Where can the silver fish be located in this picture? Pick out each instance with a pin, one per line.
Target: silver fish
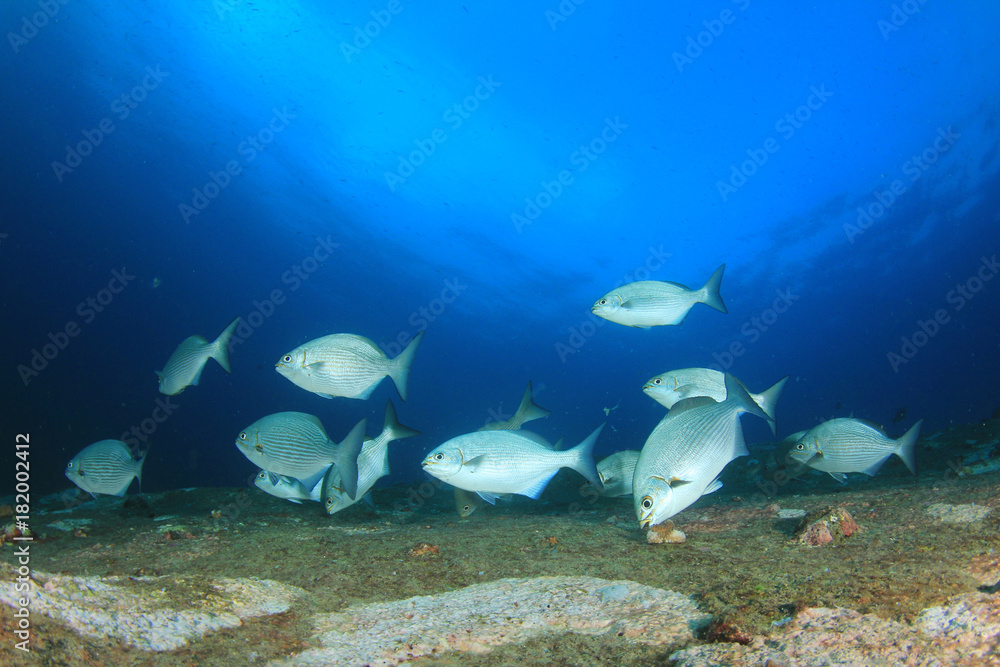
(526, 412)
(373, 464)
(105, 467)
(466, 503)
(672, 386)
(686, 452)
(296, 445)
(616, 473)
(650, 303)
(846, 445)
(495, 462)
(287, 488)
(346, 365)
(184, 366)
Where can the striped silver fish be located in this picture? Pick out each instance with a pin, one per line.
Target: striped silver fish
(296, 445)
(526, 412)
(650, 303)
(105, 467)
(373, 464)
(672, 386)
(846, 445)
(616, 472)
(286, 488)
(346, 365)
(686, 452)
(495, 462)
(184, 366)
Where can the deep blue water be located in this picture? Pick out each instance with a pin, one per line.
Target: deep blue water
(529, 159)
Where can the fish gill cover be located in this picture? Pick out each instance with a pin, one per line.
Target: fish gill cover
(485, 173)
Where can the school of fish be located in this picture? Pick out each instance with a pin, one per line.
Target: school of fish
(680, 461)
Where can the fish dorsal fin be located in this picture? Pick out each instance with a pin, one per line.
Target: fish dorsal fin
(683, 287)
(871, 424)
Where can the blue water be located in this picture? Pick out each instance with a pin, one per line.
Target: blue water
(523, 159)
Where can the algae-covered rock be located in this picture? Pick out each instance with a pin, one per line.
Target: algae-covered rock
(150, 613)
(480, 617)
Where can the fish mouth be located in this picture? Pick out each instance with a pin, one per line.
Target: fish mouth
(645, 523)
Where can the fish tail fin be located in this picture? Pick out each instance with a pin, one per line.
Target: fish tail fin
(581, 458)
(140, 458)
(220, 346)
(735, 391)
(907, 445)
(347, 457)
(711, 296)
(393, 428)
(400, 369)
(529, 410)
(769, 401)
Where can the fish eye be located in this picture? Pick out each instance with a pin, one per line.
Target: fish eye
(69, 466)
(800, 447)
(438, 457)
(603, 302)
(287, 359)
(243, 435)
(657, 381)
(466, 508)
(647, 503)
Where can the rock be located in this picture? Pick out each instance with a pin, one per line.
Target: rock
(150, 613)
(963, 632)
(479, 617)
(424, 549)
(665, 533)
(825, 526)
(791, 514)
(816, 534)
(958, 513)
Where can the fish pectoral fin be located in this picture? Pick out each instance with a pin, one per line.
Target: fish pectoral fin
(491, 498)
(711, 488)
(294, 500)
(473, 463)
(674, 482)
(272, 479)
(839, 476)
